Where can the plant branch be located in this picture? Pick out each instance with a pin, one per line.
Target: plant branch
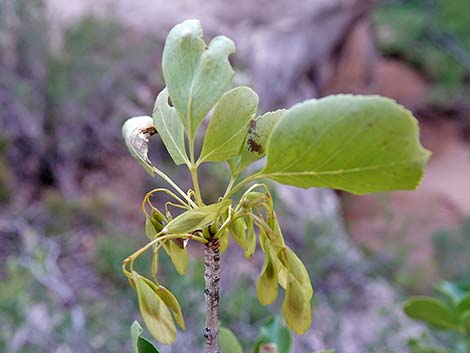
(172, 183)
(211, 294)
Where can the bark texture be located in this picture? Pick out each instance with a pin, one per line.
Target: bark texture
(211, 294)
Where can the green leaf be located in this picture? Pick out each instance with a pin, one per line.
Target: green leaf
(136, 331)
(431, 311)
(228, 341)
(359, 144)
(466, 323)
(238, 230)
(170, 300)
(275, 333)
(141, 344)
(228, 126)
(136, 133)
(250, 247)
(464, 304)
(257, 138)
(224, 241)
(196, 76)
(196, 218)
(267, 287)
(296, 307)
(155, 313)
(170, 128)
(296, 267)
(145, 346)
(326, 351)
(178, 256)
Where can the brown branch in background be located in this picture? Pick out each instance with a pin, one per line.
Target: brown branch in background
(211, 294)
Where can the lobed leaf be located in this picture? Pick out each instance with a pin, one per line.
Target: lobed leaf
(229, 125)
(360, 144)
(170, 128)
(196, 76)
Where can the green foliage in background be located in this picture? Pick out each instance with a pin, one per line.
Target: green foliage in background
(359, 144)
(433, 35)
(449, 311)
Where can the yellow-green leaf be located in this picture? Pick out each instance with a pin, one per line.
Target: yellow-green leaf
(155, 313)
(196, 218)
(296, 307)
(360, 144)
(250, 246)
(170, 300)
(295, 266)
(178, 256)
(267, 287)
(238, 230)
(228, 126)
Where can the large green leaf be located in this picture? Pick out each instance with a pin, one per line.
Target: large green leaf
(170, 128)
(276, 333)
(136, 132)
(196, 76)
(229, 125)
(196, 218)
(431, 311)
(258, 134)
(359, 144)
(228, 341)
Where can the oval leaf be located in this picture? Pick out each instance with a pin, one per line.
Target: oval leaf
(196, 77)
(228, 341)
(431, 311)
(296, 307)
(196, 218)
(179, 256)
(170, 128)
(359, 144)
(250, 247)
(136, 133)
(296, 267)
(170, 300)
(229, 125)
(155, 313)
(267, 287)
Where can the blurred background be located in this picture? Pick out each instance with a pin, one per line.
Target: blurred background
(72, 71)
